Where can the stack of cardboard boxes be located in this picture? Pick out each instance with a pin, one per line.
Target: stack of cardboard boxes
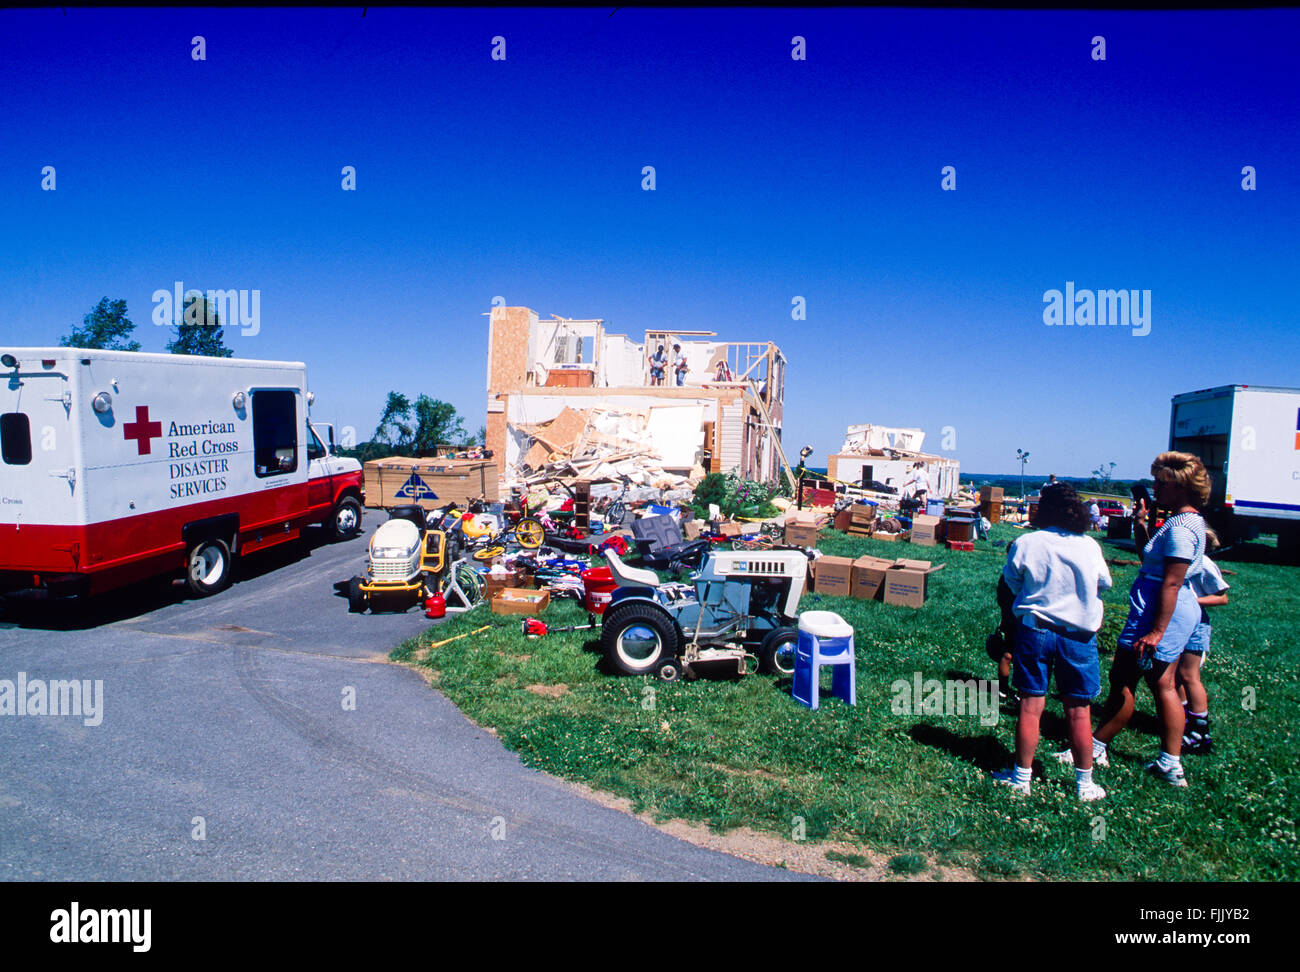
(991, 503)
(802, 527)
(900, 581)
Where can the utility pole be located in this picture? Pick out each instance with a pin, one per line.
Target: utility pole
(1023, 456)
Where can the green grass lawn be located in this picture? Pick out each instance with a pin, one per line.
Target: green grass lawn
(741, 753)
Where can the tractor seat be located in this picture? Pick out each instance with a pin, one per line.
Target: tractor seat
(626, 576)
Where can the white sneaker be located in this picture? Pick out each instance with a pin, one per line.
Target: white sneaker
(1091, 791)
(1006, 778)
(1173, 776)
(1066, 756)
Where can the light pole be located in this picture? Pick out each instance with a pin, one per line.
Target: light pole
(1023, 456)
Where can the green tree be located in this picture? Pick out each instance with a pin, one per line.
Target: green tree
(200, 330)
(436, 423)
(392, 431)
(106, 328)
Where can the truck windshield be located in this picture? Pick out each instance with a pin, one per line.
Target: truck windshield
(315, 448)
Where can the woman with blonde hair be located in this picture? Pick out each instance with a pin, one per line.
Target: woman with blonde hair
(1163, 614)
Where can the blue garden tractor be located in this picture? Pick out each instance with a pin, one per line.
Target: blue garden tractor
(740, 609)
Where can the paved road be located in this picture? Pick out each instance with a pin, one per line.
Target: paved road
(230, 709)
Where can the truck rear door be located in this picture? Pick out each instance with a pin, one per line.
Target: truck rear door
(40, 518)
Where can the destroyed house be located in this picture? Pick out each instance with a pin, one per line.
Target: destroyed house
(569, 398)
(885, 456)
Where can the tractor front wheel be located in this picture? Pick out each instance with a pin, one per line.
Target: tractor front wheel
(638, 637)
(776, 654)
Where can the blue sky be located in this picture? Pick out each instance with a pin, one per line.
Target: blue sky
(775, 178)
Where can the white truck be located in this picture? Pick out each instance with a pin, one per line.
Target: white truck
(118, 465)
(1248, 436)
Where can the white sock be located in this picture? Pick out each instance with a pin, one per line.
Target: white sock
(1082, 777)
(1098, 747)
(1022, 774)
(1167, 762)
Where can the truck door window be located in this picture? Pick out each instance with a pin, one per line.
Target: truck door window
(275, 432)
(15, 439)
(315, 448)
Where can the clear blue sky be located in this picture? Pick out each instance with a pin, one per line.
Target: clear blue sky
(776, 178)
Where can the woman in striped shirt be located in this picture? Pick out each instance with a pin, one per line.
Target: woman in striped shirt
(1163, 613)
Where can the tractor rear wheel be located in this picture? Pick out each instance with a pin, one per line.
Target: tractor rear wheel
(638, 637)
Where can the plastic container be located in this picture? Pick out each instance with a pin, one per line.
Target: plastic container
(934, 507)
(598, 587)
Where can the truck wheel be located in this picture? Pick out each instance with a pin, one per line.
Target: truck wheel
(208, 568)
(776, 654)
(345, 521)
(638, 638)
(356, 596)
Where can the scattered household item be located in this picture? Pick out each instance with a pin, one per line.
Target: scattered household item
(513, 600)
(825, 639)
(534, 628)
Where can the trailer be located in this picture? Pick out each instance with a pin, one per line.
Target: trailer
(116, 466)
(1248, 436)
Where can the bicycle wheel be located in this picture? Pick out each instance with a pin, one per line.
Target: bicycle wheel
(487, 553)
(615, 513)
(530, 533)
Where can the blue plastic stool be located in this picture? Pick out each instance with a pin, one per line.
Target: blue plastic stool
(825, 638)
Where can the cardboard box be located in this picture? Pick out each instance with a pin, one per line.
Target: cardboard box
(834, 576)
(868, 582)
(843, 520)
(991, 511)
(429, 483)
(907, 582)
(802, 527)
(513, 600)
(730, 529)
(494, 584)
(927, 531)
(861, 513)
(990, 494)
(691, 529)
(891, 537)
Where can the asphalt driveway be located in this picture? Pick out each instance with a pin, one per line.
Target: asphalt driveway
(224, 718)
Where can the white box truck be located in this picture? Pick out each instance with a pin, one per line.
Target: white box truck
(118, 465)
(1248, 436)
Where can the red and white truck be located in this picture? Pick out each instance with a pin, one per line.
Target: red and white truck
(117, 465)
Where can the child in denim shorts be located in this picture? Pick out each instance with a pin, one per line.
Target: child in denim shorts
(1057, 575)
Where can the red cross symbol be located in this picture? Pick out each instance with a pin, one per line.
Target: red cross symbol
(142, 430)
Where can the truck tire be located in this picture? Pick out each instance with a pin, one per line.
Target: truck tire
(776, 654)
(207, 568)
(638, 637)
(345, 522)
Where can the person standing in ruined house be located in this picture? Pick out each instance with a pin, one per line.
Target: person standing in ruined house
(658, 364)
(679, 365)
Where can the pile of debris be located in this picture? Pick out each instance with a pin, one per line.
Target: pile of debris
(596, 444)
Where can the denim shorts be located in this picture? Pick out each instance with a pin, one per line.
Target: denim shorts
(1144, 604)
(1038, 652)
(1199, 642)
